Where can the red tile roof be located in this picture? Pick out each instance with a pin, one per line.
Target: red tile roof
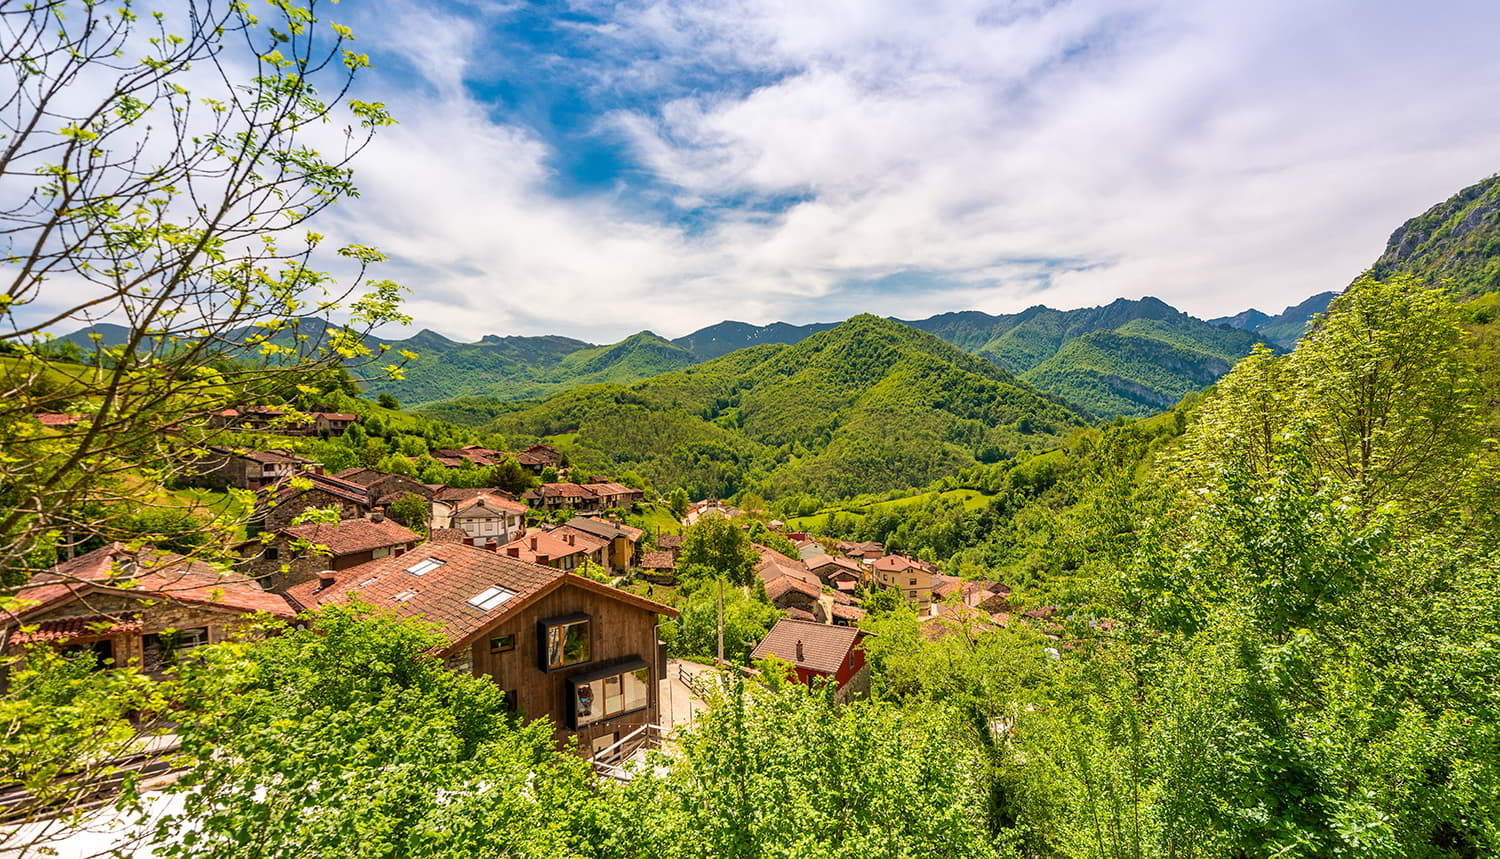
(448, 535)
(533, 546)
(494, 502)
(441, 595)
(352, 536)
(605, 528)
(48, 419)
(658, 561)
(780, 586)
(115, 569)
(67, 628)
(824, 647)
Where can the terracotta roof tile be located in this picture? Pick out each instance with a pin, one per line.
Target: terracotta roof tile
(352, 536)
(658, 561)
(824, 646)
(441, 595)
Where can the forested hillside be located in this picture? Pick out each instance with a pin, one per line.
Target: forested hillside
(871, 404)
(1128, 358)
(1456, 241)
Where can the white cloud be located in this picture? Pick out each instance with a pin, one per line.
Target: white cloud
(1214, 155)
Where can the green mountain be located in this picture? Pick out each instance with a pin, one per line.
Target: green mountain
(1128, 357)
(868, 405)
(1283, 329)
(1457, 241)
(728, 336)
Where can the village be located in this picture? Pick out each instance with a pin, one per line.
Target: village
(548, 593)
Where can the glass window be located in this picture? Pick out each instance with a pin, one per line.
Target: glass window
(568, 643)
(637, 689)
(614, 694)
(598, 698)
(502, 643)
(164, 649)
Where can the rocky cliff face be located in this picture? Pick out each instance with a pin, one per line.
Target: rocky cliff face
(1457, 242)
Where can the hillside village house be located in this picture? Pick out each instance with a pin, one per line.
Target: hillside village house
(383, 488)
(819, 652)
(298, 553)
(842, 574)
(539, 458)
(222, 467)
(796, 590)
(560, 645)
(469, 456)
(561, 548)
(489, 518)
(144, 608)
(624, 541)
(582, 498)
(276, 506)
(912, 578)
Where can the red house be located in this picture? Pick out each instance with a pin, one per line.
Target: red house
(820, 650)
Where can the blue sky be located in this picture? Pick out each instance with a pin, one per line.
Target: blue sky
(593, 169)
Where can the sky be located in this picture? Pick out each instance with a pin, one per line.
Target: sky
(595, 169)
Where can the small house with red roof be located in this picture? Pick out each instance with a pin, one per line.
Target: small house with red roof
(819, 652)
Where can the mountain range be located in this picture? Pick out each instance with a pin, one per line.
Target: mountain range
(867, 405)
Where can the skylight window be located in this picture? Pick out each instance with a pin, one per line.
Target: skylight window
(404, 595)
(491, 597)
(425, 566)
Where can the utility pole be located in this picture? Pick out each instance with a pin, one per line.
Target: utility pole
(721, 620)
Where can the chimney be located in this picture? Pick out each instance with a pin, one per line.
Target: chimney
(513, 551)
(543, 559)
(326, 579)
(492, 546)
(533, 543)
(800, 657)
(569, 538)
(377, 516)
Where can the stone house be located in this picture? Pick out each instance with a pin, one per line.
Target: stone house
(142, 608)
(624, 541)
(222, 467)
(298, 553)
(277, 505)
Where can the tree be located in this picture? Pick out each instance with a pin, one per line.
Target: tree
(718, 545)
(747, 618)
(509, 476)
(1383, 392)
(411, 510)
(678, 502)
(68, 725)
(145, 181)
(347, 740)
(789, 773)
(386, 401)
(549, 475)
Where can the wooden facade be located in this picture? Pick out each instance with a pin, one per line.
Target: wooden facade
(512, 654)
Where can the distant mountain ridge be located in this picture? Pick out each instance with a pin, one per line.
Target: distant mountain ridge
(1136, 372)
(1285, 328)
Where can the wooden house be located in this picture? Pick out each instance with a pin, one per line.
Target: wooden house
(562, 646)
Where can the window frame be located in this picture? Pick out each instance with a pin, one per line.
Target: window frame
(598, 677)
(544, 628)
(507, 648)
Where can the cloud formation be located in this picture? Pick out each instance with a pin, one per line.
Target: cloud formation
(667, 164)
